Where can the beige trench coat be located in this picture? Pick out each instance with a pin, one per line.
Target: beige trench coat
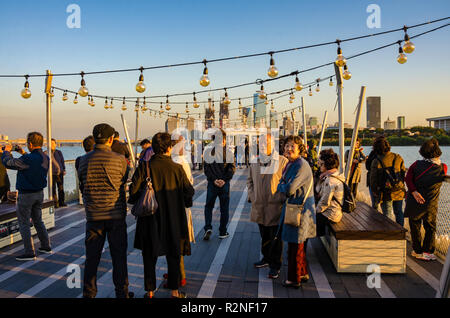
(262, 192)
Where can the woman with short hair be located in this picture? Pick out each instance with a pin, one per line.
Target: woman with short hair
(424, 180)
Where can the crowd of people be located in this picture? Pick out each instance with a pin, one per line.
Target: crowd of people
(302, 181)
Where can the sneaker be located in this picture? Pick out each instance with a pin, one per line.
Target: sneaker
(262, 263)
(225, 235)
(45, 250)
(420, 256)
(430, 256)
(304, 278)
(26, 257)
(207, 235)
(274, 273)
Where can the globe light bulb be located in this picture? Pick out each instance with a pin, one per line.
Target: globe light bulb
(240, 104)
(83, 91)
(161, 110)
(187, 110)
(106, 103)
(204, 80)
(262, 93)
(195, 104)
(346, 75)
(310, 92)
(266, 102)
(52, 93)
(75, 100)
(290, 101)
(272, 107)
(111, 106)
(136, 106)
(401, 56)
(226, 100)
(144, 106)
(331, 82)
(124, 105)
(272, 72)
(298, 86)
(408, 47)
(167, 104)
(140, 86)
(92, 102)
(317, 88)
(26, 93)
(89, 100)
(340, 59)
(292, 97)
(64, 98)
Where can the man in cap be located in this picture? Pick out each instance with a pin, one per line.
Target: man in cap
(103, 174)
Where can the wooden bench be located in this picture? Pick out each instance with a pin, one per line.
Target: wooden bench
(9, 225)
(366, 237)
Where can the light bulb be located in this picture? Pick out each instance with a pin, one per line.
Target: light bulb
(140, 86)
(240, 104)
(92, 102)
(195, 105)
(187, 110)
(272, 72)
(340, 59)
(204, 80)
(83, 91)
(331, 82)
(298, 86)
(266, 102)
(346, 75)
(144, 106)
(26, 93)
(262, 93)
(111, 104)
(226, 100)
(75, 100)
(292, 97)
(124, 105)
(317, 88)
(401, 56)
(52, 93)
(167, 104)
(136, 106)
(106, 103)
(290, 101)
(310, 91)
(408, 47)
(64, 98)
(272, 107)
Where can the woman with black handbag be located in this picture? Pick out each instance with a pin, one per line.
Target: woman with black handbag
(298, 220)
(161, 233)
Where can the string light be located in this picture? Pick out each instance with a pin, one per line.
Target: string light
(292, 96)
(310, 92)
(75, 100)
(408, 47)
(262, 93)
(298, 86)
(52, 93)
(331, 81)
(64, 98)
(144, 106)
(83, 91)
(89, 100)
(272, 72)
(106, 103)
(272, 107)
(111, 106)
(124, 105)
(266, 102)
(167, 103)
(346, 75)
(26, 93)
(318, 87)
(401, 56)
(140, 86)
(136, 106)
(240, 104)
(187, 110)
(340, 59)
(226, 100)
(195, 105)
(204, 80)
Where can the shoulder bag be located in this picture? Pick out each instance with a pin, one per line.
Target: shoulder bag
(146, 204)
(294, 211)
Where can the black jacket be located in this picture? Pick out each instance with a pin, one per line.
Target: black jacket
(103, 174)
(121, 148)
(223, 171)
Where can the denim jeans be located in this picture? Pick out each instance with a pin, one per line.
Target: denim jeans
(390, 208)
(29, 205)
(224, 196)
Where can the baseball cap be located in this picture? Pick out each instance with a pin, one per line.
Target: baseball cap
(102, 131)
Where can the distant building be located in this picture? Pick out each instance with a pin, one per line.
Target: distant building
(313, 121)
(172, 123)
(401, 122)
(209, 114)
(223, 115)
(288, 126)
(389, 124)
(373, 112)
(260, 107)
(440, 122)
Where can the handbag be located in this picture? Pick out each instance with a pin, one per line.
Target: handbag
(293, 212)
(146, 205)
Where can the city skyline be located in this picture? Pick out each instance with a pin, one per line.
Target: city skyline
(101, 43)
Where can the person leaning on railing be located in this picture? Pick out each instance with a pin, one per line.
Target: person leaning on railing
(424, 180)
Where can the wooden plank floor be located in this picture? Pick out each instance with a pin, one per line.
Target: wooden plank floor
(217, 268)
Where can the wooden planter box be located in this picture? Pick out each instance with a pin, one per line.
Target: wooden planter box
(366, 237)
(9, 225)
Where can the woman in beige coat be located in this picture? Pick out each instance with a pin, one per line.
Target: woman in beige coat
(262, 185)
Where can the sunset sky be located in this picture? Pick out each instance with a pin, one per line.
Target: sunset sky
(118, 34)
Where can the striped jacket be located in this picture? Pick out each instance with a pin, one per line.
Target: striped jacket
(103, 174)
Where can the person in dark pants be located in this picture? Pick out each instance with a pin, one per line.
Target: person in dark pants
(267, 204)
(103, 174)
(424, 180)
(5, 185)
(219, 174)
(58, 176)
(355, 172)
(31, 180)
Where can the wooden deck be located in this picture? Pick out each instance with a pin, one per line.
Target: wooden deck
(217, 268)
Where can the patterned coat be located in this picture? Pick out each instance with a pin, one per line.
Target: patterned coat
(294, 183)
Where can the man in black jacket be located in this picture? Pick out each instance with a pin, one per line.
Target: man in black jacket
(120, 147)
(219, 174)
(58, 176)
(103, 174)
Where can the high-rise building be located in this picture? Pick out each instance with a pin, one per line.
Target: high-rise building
(223, 114)
(260, 107)
(288, 126)
(209, 114)
(373, 112)
(389, 124)
(401, 122)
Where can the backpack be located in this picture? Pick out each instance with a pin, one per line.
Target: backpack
(146, 204)
(349, 204)
(392, 180)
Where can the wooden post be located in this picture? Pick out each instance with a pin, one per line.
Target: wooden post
(48, 86)
(133, 158)
(355, 134)
(305, 137)
(323, 132)
(338, 71)
(136, 132)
